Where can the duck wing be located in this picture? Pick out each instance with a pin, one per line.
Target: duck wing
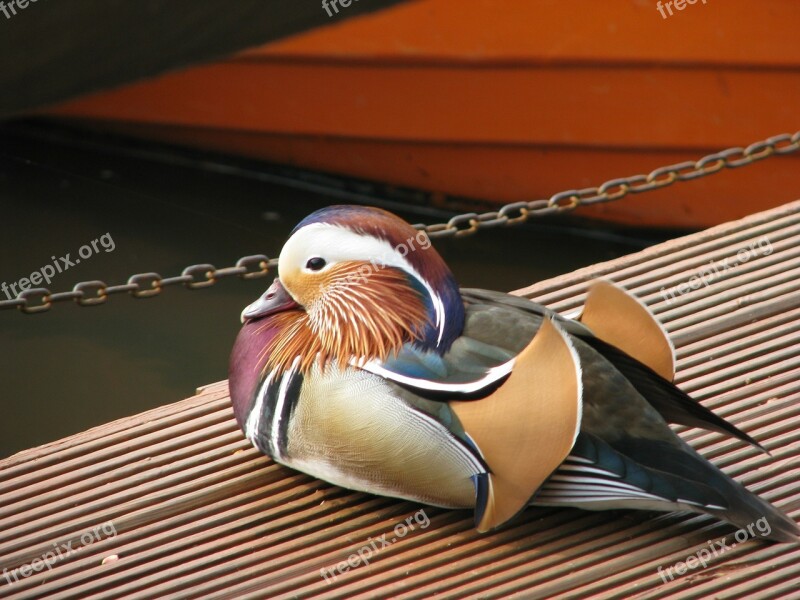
(498, 318)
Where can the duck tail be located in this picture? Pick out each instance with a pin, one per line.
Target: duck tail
(754, 516)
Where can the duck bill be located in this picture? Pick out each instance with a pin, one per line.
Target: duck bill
(276, 299)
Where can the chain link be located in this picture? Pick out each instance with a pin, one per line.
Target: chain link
(146, 285)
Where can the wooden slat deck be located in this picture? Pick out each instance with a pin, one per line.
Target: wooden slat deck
(190, 510)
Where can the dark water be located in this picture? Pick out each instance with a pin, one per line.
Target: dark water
(73, 368)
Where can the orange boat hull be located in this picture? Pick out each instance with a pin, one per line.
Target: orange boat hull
(503, 105)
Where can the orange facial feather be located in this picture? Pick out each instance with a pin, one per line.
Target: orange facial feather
(359, 311)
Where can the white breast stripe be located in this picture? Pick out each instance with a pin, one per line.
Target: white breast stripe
(254, 419)
(492, 376)
(278, 410)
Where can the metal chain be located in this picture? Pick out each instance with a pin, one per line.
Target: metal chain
(141, 285)
(145, 285)
(615, 189)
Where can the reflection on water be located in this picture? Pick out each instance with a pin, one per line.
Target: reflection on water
(74, 368)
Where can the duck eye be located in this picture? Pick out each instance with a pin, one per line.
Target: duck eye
(315, 263)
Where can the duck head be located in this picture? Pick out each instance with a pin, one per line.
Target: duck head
(356, 283)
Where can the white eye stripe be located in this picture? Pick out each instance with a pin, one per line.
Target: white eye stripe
(337, 244)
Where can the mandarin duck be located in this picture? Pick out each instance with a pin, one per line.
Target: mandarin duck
(365, 365)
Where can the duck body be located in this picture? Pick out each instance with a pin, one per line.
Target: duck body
(358, 430)
(407, 422)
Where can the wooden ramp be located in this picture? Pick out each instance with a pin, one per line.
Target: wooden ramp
(174, 503)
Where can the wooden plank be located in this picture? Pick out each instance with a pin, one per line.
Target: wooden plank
(197, 513)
